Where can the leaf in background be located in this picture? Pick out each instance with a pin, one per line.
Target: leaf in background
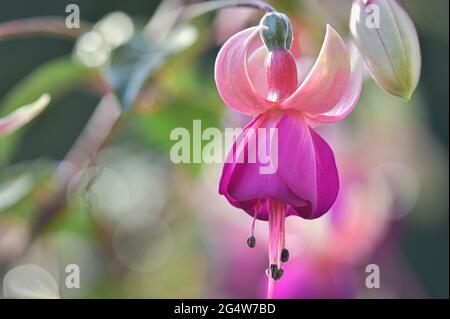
(19, 180)
(155, 128)
(55, 77)
(181, 98)
(23, 115)
(13, 191)
(134, 63)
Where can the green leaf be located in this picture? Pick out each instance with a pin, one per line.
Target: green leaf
(156, 127)
(134, 63)
(56, 77)
(19, 180)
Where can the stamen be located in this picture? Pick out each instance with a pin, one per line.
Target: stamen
(251, 241)
(277, 213)
(273, 270)
(280, 224)
(277, 253)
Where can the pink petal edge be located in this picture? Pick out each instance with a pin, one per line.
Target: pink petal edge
(306, 179)
(351, 96)
(232, 78)
(327, 81)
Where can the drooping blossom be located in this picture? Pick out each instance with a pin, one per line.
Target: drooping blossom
(361, 228)
(261, 79)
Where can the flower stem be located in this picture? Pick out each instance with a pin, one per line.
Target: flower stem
(50, 26)
(270, 288)
(195, 10)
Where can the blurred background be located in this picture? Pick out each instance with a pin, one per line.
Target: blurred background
(136, 225)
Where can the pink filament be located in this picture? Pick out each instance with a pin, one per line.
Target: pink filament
(255, 215)
(277, 215)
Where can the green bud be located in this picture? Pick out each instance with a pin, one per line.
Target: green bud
(387, 40)
(278, 32)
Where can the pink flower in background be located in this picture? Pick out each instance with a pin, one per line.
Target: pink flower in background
(241, 17)
(308, 277)
(262, 81)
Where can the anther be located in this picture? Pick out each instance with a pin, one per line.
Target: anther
(284, 255)
(251, 241)
(273, 270)
(278, 274)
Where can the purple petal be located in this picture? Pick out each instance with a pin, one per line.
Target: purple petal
(306, 178)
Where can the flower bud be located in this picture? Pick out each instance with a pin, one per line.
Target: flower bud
(278, 32)
(387, 40)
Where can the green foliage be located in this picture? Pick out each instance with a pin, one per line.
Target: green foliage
(18, 182)
(134, 63)
(56, 77)
(188, 101)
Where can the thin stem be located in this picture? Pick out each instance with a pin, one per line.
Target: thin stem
(270, 288)
(94, 137)
(255, 215)
(198, 9)
(91, 140)
(272, 260)
(48, 26)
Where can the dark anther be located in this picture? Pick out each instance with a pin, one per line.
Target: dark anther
(273, 270)
(284, 255)
(251, 241)
(278, 274)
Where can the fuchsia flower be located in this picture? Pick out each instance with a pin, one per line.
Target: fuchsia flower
(261, 79)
